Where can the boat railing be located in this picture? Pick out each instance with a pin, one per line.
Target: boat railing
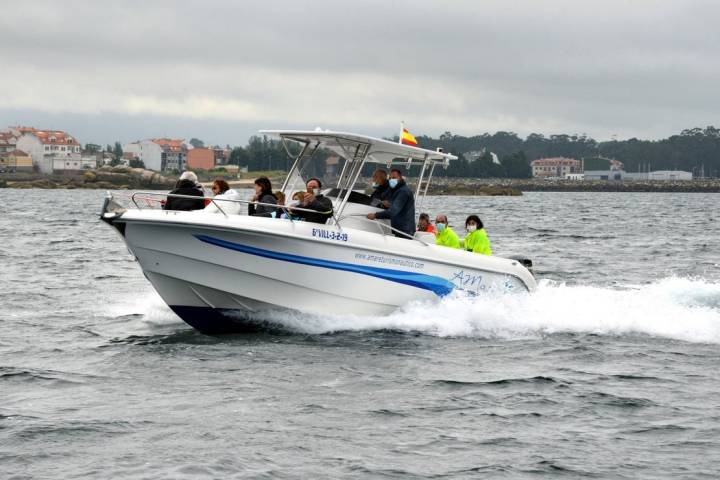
(149, 197)
(382, 226)
(154, 198)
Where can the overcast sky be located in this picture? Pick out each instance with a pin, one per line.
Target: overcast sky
(220, 70)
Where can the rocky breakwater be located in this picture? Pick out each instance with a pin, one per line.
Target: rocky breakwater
(562, 185)
(460, 186)
(514, 186)
(106, 178)
(464, 186)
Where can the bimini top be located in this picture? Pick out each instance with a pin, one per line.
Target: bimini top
(354, 147)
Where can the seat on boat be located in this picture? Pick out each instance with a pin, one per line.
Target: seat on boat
(426, 237)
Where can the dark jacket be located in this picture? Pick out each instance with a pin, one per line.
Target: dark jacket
(185, 187)
(402, 209)
(380, 194)
(324, 208)
(263, 210)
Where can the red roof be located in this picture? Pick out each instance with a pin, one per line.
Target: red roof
(53, 137)
(18, 153)
(24, 129)
(169, 144)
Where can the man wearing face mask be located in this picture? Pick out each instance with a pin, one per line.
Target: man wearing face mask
(476, 240)
(402, 206)
(314, 200)
(380, 197)
(445, 237)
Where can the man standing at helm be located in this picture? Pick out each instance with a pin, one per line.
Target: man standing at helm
(402, 206)
(380, 197)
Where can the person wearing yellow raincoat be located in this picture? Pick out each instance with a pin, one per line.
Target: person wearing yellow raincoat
(445, 235)
(476, 240)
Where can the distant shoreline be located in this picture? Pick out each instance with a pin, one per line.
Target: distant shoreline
(123, 178)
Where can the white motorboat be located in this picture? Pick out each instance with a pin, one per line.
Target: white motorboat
(223, 272)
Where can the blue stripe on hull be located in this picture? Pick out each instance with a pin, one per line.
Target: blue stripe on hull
(435, 284)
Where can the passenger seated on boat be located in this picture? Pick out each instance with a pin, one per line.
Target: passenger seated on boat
(476, 240)
(297, 198)
(263, 194)
(424, 224)
(222, 191)
(314, 200)
(186, 185)
(280, 198)
(282, 212)
(445, 237)
(380, 197)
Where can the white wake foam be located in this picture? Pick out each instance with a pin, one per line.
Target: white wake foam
(677, 308)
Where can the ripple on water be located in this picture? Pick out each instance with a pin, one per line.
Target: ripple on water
(609, 371)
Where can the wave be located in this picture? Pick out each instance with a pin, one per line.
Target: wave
(675, 308)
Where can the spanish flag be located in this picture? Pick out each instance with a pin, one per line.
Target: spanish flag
(406, 138)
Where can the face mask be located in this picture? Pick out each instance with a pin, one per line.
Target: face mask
(374, 184)
(471, 228)
(393, 182)
(313, 191)
(440, 226)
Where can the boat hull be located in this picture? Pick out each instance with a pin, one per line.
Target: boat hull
(234, 274)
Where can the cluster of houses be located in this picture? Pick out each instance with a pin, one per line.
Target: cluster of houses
(52, 151)
(598, 168)
(164, 154)
(45, 151)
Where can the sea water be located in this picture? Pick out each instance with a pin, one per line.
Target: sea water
(609, 370)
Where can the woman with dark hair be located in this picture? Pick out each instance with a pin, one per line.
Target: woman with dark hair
(220, 186)
(222, 191)
(263, 194)
(476, 240)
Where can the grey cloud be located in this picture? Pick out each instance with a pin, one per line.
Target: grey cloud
(641, 68)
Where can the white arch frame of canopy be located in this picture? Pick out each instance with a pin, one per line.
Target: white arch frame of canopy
(358, 150)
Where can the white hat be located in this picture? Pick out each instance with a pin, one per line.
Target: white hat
(188, 175)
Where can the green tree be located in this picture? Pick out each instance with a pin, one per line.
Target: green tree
(136, 163)
(516, 165)
(197, 143)
(239, 157)
(117, 154)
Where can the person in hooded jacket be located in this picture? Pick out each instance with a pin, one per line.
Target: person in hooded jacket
(402, 206)
(476, 240)
(186, 185)
(263, 194)
(222, 192)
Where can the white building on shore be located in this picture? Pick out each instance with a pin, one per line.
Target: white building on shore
(159, 154)
(555, 167)
(73, 164)
(45, 146)
(666, 175)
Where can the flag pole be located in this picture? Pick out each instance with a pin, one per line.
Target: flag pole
(402, 129)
